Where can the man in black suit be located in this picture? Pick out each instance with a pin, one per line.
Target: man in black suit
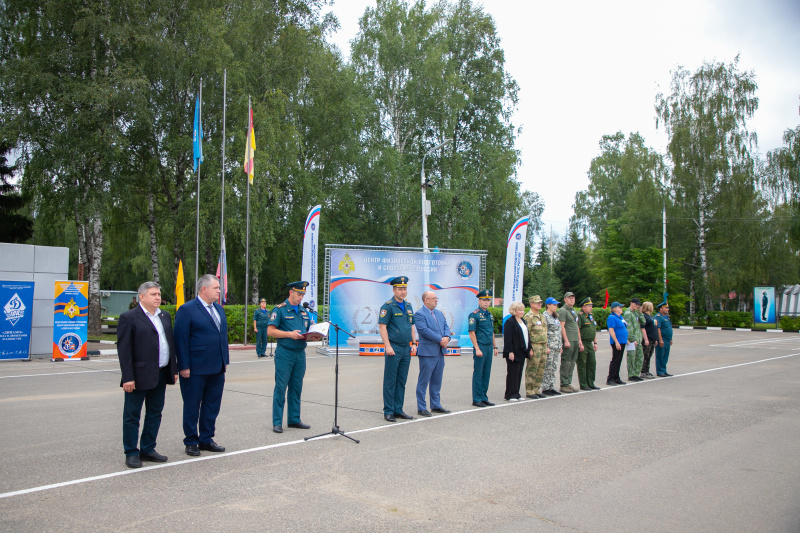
(201, 339)
(148, 361)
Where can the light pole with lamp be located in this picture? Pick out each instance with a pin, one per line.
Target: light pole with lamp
(426, 205)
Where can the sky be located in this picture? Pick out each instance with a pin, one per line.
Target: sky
(587, 69)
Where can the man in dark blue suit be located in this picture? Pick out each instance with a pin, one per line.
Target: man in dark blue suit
(146, 352)
(434, 334)
(201, 340)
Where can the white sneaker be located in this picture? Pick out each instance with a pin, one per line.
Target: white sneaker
(513, 400)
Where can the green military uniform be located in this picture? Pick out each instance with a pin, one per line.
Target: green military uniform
(587, 359)
(261, 318)
(398, 317)
(569, 356)
(482, 323)
(636, 322)
(290, 360)
(537, 332)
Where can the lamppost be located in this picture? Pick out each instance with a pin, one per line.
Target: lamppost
(426, 205)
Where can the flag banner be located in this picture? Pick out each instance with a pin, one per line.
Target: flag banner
(515, 264)
(16, 297)
(197, 135)
(605, 305)
(764, 305)
(359, 286)
(250, 150)
(70, 319)
(222, 274)
(179, 301)
(310, 255)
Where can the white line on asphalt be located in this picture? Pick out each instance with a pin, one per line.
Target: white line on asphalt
(57, 374)
(374, 428)
(745, 343)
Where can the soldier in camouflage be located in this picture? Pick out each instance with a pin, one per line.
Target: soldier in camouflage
(553, 346)
(537, 332)
(636, 333)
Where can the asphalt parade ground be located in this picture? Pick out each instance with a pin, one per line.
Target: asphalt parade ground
(714, 448)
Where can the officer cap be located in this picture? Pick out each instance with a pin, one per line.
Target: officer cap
(485, 294)
(399, 281)
(586, 301)
(535, 299)
(299, 286)
(636, 301)
(568, 294)
(662, 304)
(262, 300)
(551, 300)
(616, 304)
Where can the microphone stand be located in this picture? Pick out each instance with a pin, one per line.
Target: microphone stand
(335, 430)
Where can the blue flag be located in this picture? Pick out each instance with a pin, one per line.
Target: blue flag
(197, 137)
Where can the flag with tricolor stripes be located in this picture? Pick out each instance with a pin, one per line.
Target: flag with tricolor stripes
(250, 150)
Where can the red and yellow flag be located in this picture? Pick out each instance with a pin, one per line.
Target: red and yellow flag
(250, 150)
(179, 287)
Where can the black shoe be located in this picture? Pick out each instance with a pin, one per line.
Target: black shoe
(389, 418)
(635, 378)
(667, 375)
(133, 461)
(540, 395)
(153, 456)
(300, 425)
(441, 410)
(585, 388)
(662, 375)
(619, 382)
(555, 393)
(424, 412)
(403, 415)
(192, 450)
(611, 383)
(548, 392)
(277, 429)
(593, 387)
(212, 446)
(479, 404)
(532, 396)
(487, 403)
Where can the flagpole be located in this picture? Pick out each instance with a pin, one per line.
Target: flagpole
(224, 102)
(247, 238)
(197, 235)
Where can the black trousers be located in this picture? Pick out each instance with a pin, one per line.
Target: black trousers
(616, 362)
(153, 399)
(513, 377)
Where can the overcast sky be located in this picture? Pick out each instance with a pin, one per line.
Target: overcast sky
(587, 68)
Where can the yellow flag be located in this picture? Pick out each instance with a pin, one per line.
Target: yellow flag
(179, 287)
(250, 150)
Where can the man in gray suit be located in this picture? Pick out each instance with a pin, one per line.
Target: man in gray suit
(434, 334)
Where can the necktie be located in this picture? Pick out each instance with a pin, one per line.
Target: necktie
(213, 315)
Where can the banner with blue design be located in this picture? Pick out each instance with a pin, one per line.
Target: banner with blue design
(764, 305)
(310, 255)
(359, 286)
(515, 264)
(16, 297)
(70, 319)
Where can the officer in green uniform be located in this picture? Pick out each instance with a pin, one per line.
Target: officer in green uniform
(260, 323)
(664, 329)
(481, 333)
(287, 323)
(399, 340)
(572, 341)
(587, 359)
(636, 333)
(537, 332)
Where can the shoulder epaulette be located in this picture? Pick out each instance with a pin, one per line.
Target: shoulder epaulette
(478, 310)
(389, 302)
(282, 304)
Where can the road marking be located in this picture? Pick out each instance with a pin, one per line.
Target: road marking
(57, 374)
(374, 428)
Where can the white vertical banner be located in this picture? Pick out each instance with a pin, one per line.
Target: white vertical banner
(515, 264)
(310, 255)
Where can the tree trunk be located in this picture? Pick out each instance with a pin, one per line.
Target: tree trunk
(96, 257)
(83, 256)
(151, 223)
(701, 246)
(254, 285)
(692, 295)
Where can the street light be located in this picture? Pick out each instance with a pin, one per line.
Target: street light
(426, 205)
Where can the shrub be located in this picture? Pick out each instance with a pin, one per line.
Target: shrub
(789, 323)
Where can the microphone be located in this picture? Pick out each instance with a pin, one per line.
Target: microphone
(305, 305)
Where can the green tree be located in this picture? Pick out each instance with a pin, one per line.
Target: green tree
(571, 267)
(17, 227)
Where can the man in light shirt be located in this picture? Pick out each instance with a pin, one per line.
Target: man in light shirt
(148, 360)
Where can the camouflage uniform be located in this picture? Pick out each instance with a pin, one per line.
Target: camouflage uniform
(554, 343)
(537, 332)
(636, 321)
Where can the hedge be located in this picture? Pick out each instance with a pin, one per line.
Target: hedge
(789, 323)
